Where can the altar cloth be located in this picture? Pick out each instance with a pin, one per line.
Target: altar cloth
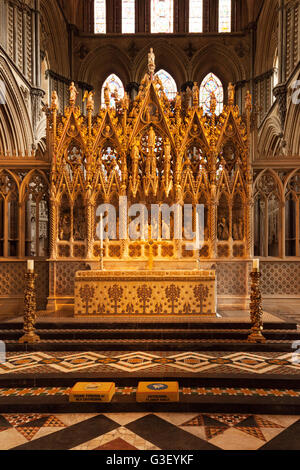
(102, 293)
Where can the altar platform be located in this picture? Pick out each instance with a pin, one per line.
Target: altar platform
(100, 293)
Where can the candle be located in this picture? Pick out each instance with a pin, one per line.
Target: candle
(256, 265)
(197, 232)
(101, 231)
(30, 265)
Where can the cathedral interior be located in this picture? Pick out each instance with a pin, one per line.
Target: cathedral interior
(176, 111)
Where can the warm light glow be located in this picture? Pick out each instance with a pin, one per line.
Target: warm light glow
(128, 16)
(162, 16)
(224, 16)
(100, 16)
(114, 84)
(211, 83)
(196, 16)
(168, 82)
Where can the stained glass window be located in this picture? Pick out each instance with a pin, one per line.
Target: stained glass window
(162, 16)
(100, 16)
(128, 16)
(224, 16)
(115, 85)
(196, 16)
(211, 83)
(168, 82)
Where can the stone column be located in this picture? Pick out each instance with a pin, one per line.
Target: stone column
(132, 88)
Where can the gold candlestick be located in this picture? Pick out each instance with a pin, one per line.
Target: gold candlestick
(256, 335)
(29, 309)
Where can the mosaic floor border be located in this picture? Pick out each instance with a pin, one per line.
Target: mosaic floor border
(147, 363)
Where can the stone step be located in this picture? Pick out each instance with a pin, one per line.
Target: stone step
(90, 323)
(154, 333)
(145, 344)
(197, 399)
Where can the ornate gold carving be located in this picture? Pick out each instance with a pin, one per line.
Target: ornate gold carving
(30, 335)
(256, 335)
(154, 150)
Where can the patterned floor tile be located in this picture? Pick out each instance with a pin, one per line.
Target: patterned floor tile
(149, 362)
(118, 439)
(150, 431)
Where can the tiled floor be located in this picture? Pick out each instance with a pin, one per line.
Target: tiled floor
(149, 431)
(148, 362)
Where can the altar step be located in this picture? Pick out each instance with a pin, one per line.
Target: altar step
(191, 400)
(183, 336)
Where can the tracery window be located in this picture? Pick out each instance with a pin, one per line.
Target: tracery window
(162, 16)
(100, 16)
(224, 16)
(211, 83)
(292, 216)
(37, 217)
(116, 88)
(267, 218)
(8, 215)
(168, 82)
(128, 16)
(196, 16)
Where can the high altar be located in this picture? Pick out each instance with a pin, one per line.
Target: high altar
(152, 150)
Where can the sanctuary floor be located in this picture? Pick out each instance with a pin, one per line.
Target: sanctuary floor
(149, 431)
(230, 399)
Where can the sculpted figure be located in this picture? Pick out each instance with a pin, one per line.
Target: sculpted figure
(151, 61)
(65, 227)
(223, 231)
(213, 103)
(73, 93)
(89, 96)
(248, 101)
(54, 100)
(195, 93)
(178, 102)
(231, 88)
(151, 138)
(106, 96)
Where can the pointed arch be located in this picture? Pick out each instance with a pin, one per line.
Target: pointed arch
(211, 84)
(114, 84)
(168, 82)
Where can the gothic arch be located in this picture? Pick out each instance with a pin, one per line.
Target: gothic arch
(14, 117)
(222, 62)
(169, 58)
(112, 60)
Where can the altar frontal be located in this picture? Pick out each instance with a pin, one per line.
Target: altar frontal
(145, 293)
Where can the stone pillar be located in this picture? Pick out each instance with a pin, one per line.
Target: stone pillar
(132, 88)
(37, 43)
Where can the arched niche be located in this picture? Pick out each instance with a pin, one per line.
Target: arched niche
(238, 218)
(64, 223)
(36, 217)
(79, 219)
(223, 218)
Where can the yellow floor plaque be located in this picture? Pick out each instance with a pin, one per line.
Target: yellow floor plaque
(157, 391)
(93, 392)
